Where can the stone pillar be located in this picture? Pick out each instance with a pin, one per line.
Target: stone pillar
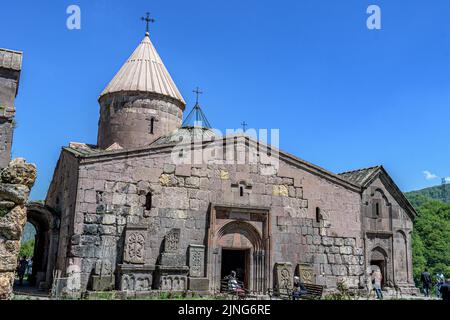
(15, 183)
(10, 66)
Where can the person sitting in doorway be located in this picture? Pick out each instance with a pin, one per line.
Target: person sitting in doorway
(299, 289)
(233, 284)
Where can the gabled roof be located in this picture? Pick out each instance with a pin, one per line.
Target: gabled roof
(364, 177)
(144, 71)
(360, 176)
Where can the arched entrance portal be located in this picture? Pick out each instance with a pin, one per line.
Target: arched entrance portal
(46, 223)
(239, 241)
(242, 251)
(378, 260)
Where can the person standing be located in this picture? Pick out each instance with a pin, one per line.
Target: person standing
(426, 282)
(30, 267)
(369, 283)
(377, 278)
(445, 291)
(440, 280)
(22, 267)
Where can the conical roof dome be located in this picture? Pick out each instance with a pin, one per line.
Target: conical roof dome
(144, 71)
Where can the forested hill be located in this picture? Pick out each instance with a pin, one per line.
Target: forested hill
(440, 193)
(431, 236)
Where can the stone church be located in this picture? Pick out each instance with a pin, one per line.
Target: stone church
(137, 212)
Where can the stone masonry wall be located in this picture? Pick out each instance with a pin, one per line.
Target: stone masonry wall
(397, 241)
(127, 120)
(112, 194)
(62, 197)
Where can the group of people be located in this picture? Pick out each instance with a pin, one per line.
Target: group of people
(235, 286)
(442, 286)
(24, 267)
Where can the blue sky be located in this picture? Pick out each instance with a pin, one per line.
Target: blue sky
(343, 96)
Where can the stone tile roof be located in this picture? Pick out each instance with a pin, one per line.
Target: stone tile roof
(83, 149)
(10, 59)
(144, 71)
(187, 134)
(359, 176)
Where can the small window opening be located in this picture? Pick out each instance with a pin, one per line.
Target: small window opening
(241, 191)
(148, 201)
(152, 124)
(99, 197)
(318, 215)
(377, 209)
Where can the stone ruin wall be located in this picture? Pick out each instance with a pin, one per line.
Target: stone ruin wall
(111, 195)
(16, 181)
(16, 177)
(61, 196)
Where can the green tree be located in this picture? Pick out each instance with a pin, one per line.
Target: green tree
(431, 238)
(27, 248)
(419, 261)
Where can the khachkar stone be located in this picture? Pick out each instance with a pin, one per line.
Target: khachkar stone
(197, 279)
(172, 241)
(172, 271)
(135, 239)
(284, 277)
(196, 261)
(135, 275)
(16, 181)
(306, 273)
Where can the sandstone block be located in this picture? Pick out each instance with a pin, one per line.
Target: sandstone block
(192, 182)
(109, 219)
(280, 191)
(327, 241)
(169, 168)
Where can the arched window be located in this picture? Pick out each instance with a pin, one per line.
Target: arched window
(152, 124)
(377, 209)
(148, 201)
(318, 215)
